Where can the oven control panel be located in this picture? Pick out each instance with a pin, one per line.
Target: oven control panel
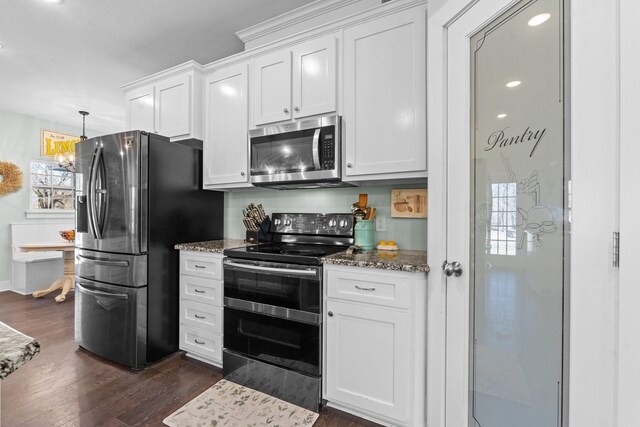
(306, 223)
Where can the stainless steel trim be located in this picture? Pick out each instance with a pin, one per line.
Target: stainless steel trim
(102, 261)
(316, 149)
(277, 270)
(298, 125)
(274, 311)
(321, 175)
(100, 293)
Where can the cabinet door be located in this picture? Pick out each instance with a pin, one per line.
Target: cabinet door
(140, 109)
(226, 127)
(173, 106)
(385, 96)
(314, 77)
(272, 88)
(367, 358)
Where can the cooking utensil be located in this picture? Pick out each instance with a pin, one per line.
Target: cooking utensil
(362, 201)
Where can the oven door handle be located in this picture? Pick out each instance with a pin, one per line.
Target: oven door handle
(276, 270)
(273, 311)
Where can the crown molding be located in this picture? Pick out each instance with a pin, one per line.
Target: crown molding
(293, 17)
(169, 72)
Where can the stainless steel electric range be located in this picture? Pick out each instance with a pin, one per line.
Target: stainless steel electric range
(273, 307)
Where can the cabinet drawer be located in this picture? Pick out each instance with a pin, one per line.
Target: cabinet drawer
(201, 290)
(204, 344)
(201, 265)
(203, 316)
(369, 288)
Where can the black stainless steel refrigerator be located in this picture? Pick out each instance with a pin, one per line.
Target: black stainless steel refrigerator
(137, 195)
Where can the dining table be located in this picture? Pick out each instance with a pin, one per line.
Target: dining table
(66, 282)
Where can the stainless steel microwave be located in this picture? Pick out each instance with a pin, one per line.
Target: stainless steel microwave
(303, 154)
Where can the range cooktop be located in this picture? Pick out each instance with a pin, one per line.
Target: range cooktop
(301, 239)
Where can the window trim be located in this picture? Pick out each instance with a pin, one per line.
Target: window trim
(46, 213)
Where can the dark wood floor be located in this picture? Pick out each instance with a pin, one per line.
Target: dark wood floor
(67, 386)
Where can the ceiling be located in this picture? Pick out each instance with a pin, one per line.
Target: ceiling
(61, 58)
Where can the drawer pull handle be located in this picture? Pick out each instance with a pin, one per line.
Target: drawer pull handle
(199, 342)
(199, 266)
(199, 317)
(365, 289)
(199, 291)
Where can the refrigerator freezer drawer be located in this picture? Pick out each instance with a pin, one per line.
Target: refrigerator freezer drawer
(115, 269)
(111, 321)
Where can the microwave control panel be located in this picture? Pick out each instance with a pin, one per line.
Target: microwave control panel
(328, 150)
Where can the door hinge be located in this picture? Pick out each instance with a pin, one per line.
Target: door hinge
(616, 249)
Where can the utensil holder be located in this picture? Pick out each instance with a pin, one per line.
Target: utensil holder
(262, 234)
(364, 233)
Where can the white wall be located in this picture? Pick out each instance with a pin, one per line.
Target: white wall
(19, 144)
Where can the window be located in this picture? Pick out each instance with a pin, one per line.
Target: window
(51, 187)
(503, 219)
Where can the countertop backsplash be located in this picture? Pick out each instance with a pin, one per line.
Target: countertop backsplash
(409, 233)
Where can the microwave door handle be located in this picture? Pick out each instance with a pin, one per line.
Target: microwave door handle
(316, 149)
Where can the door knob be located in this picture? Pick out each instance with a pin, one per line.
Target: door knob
(452, 268)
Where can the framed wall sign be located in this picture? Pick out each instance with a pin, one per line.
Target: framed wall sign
(409, 203)
(54, 144)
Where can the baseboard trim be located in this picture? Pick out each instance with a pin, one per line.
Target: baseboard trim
(5, 285)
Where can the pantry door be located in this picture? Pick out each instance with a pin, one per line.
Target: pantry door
(507, 218)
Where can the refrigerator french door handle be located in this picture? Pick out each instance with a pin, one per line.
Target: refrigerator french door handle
(93, 216)
(90, 198)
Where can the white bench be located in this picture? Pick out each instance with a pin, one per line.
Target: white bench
(32, 271)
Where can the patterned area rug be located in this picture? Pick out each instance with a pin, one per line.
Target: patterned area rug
(228, 404)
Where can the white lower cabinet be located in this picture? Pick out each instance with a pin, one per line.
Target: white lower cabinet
(375, 363)
(201, 329)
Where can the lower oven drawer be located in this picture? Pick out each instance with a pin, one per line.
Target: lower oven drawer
(201, 343)
(203, 316)
(281, 342)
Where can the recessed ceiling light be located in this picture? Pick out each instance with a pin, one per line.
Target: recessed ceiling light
(501, 115)
(514, 83)
(539, 19)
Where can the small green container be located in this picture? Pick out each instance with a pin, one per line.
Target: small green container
(364, 230)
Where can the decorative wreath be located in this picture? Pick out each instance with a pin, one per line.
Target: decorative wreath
(10, 178)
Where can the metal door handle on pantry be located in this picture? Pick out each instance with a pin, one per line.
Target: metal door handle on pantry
(452, 268)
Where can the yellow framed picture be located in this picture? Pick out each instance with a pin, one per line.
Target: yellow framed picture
(409, 203)
(53, 144)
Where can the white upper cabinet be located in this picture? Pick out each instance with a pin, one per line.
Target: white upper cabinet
(384, 97)
(140, 109)
(173, 106)
(314, 77)
(272, 88)
(168, 103)
(225, 156)
(294, 83)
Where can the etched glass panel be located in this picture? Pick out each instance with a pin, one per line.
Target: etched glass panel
(518, 201)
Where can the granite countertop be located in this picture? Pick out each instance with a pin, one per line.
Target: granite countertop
(16, 349)
(402, 260)
(213, 246)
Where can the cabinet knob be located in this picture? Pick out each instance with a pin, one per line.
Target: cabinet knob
(348, 165)
(296, 109)
(242, 173)
(330, 314)
(286, 111)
